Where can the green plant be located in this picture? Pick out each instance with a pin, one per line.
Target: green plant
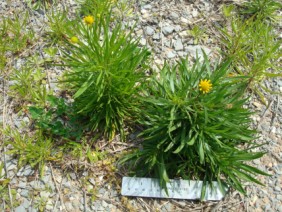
(4, 192)
(56, 119)
(198, 34)
(60, 26)
(107, 67)
(123, 9)
(15, 33)
(254, 49)
(227, 10)
(195, 127)
(262, 9)
(34, 150)
(84, 151)
(96, 7)
(35, 92)
(120, 8)
(38, 4)
(3, 59)
(4, 182)
(15, 36)
(40, 203)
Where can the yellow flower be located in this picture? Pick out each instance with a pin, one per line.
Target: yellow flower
(205, 86)
(74, 39)
(88, 19)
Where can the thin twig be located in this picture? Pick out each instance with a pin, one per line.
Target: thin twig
(4, 205)
(266, 109)
(4, 147)
(84, 199)
(276, 157)
(120, 150)
(162, 205)
(109, 200)
(144, 203)
(104, 145)
(217, 206)
(128, 146)
(161, 30)
(45, 67)
(58, 189)
(275, 111)
(197, 21)
(176, 203)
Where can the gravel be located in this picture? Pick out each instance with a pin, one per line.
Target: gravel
(25, 171)
(163, 27)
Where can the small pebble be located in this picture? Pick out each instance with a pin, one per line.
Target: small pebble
(277, 188)
(178, 46)
(25, 193)
(170, 55)
(173, 16)
(147, 7)
(149, 31)
(168, 30)
(279, 208)
(143, 41)
(156, 36)
(25, 203)
(279, 197)
(194, 13)
(20, 209)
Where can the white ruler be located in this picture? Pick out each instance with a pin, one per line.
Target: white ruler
(177, 189)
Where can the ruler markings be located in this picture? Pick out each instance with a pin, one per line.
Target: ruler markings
(177, 189)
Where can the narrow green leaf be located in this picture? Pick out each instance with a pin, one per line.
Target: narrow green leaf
(84, 86)
(201, 152)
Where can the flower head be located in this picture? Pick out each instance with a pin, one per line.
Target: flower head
(88, 19)
(205, 86)
(74, 39)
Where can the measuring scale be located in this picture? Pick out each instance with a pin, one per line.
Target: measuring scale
(177, 189)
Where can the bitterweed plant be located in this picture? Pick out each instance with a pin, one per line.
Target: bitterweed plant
(107, 68)
(255, 50)
(195, 128)
(262, 9)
